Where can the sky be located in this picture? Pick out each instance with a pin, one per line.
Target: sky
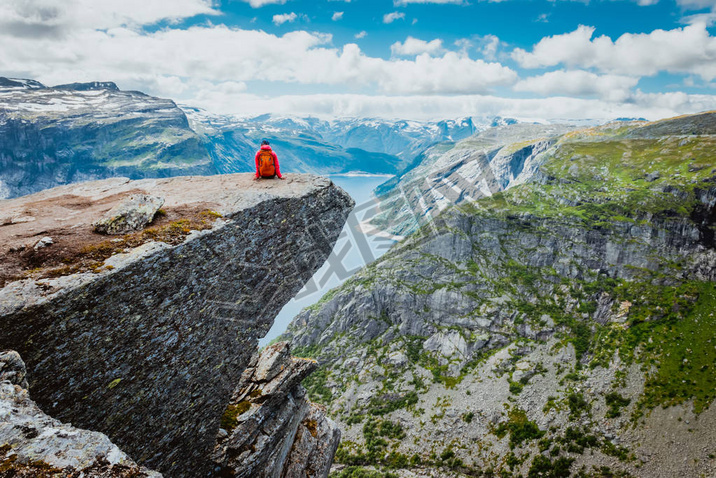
(406, 59)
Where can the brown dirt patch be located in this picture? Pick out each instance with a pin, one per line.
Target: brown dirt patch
(80, 249)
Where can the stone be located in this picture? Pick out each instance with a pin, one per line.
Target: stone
(12, 368)
(132, 214)
(42, 243)
(32, 443)
(273, 430)
(150, 350)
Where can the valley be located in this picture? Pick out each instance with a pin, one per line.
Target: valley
(563, 326)
(506, 299)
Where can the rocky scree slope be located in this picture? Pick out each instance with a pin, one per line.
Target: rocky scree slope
(85, 131)
(562, 327)
(145, 336)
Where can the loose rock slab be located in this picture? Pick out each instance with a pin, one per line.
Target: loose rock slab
(132, 214)
(272, 430)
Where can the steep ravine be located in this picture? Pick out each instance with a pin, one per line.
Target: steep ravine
(564, 327)
(145, 337)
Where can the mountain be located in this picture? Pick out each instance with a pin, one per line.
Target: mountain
(563, 326)
(232, 144)
(404, 139)
(323, 147)
(83, 131)
(456, 172)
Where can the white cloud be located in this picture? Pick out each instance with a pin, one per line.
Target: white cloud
(284, 18)
(391, 17)
(697, 4)
(683, 50)
(650, 106)
(579, 83)
(707, 19)
(139, 58)
(361, 34)
(337, 16)
(43, 18)
(399, 3)
(490, 44)
(413, 46)
(261, 3)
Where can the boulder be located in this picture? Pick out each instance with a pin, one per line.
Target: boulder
(132, 214)
(12, 368)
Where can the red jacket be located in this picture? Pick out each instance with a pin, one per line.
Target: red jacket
(266, 147)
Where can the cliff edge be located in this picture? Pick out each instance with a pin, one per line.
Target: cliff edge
(145, 336)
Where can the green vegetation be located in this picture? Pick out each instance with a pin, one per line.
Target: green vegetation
(315, 385)
(615, 402)
(577, 405)
(672, 331)
(608, 180)
(378, 435)
(519, 427)
(543, 467)
(229, 419)
(384, 404)
(360, 472)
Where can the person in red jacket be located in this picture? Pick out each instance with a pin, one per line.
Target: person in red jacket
(267, 162)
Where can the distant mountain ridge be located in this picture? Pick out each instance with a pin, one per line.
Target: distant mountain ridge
(309, 144)
(82, 131)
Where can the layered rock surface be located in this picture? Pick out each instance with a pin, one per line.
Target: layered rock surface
(144, 337)
(565, 325)
(270, 428)
(452, 173)
(33, 444)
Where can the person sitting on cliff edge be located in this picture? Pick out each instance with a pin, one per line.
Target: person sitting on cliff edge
(267, 162)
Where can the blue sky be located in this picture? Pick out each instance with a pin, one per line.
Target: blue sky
(421, 59)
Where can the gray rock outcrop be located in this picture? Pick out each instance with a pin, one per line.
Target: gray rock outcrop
(147, 345)
(132, 214)
(270, 428)
(12, 369)
(33, 444)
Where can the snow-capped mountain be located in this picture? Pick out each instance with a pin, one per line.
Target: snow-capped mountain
(232, 142)
(311, 144)
(82, 131)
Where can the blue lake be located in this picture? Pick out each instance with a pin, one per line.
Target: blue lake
(353, 250)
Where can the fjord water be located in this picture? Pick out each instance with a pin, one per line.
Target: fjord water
(354, 249)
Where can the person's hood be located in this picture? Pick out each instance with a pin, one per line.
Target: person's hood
(266, 147)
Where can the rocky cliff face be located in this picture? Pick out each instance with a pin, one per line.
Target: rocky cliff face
(564, 326)
(145, 336)
(458, 172)
(34, 444)
(269, 428)
(84, 131)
